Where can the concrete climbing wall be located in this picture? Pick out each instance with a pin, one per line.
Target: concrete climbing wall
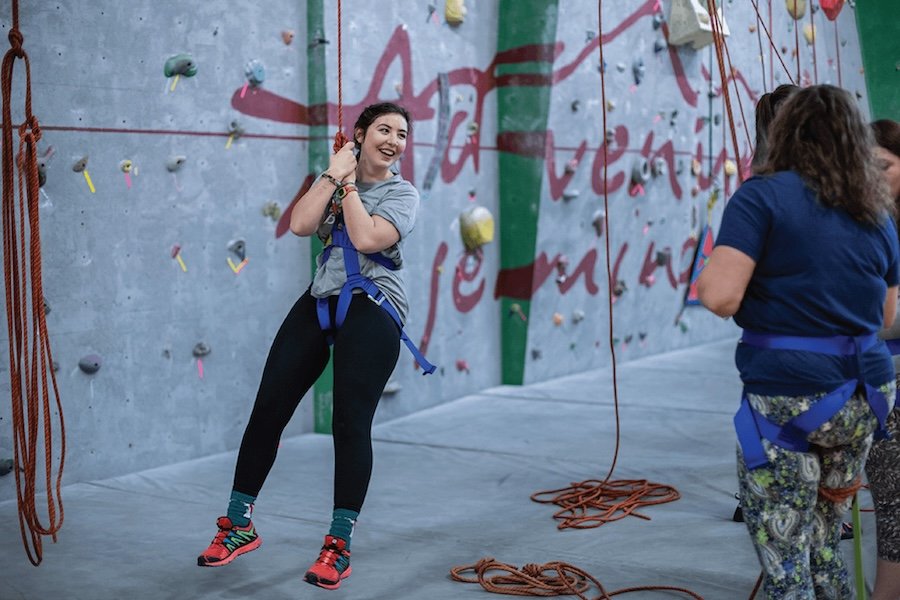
(118, 290)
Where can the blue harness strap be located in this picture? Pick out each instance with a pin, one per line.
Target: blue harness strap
(893, 346)
(752, 427)
(355, 280)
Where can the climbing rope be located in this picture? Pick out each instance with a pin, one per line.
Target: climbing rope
(339, 137)
(28, 366)
(837, 51)
(719, 42)
(772, 48)
(550, 579)
(797, 38)
(815, 61)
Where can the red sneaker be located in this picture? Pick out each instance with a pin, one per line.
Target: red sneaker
(229, 543)
(332, 566)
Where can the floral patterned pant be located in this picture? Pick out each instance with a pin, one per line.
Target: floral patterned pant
(883, 473)
(795, 531)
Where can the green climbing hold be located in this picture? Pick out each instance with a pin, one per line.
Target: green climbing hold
(180, 64)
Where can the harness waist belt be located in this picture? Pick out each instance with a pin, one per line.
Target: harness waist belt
(355, 280)
(752, 427)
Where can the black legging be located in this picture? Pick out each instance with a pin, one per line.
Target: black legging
(365, 353)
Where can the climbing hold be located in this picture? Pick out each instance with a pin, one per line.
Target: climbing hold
(562, 264)
(658, 167)
(80, 165)
(695, 167)
(832, 8)
(717, 119)
(598, 220)
(571, 166)
(620, 67)
(558, 319)
(578, 316)
(455, 11)
(640, 172)
(235, 130)
(462, 365)
(730, 167)
(659, 46)
(809, 33)
(239, 248)
(201, 349)
(287, 36)
(610, 136)
(255, 72)
(658, 20)
(6, 466)
(472, 129)
(535, 354)
(46, 307)
(690, 23)
(476, 227)
(391, 388)
(570, 194)
(796, 8)
(126, 165)
(638, 70)
(620, 288)
(576, 104)
(55, 366)
(180, 64)
(176, 255)
(90, 364)
(516, 309)
(610, 105)
(663, 257)
(174, 163)
(272, 210)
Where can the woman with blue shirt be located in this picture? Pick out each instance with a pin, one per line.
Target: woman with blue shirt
(361, 209)
(807, 264)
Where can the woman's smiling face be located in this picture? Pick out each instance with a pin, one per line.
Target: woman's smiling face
(384, 141)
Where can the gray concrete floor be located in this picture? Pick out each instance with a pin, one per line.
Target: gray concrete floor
(451, 486)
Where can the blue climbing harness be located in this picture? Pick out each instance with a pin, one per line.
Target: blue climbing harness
(751, 426)
(355, 280)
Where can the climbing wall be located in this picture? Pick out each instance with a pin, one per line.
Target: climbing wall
(175, 137)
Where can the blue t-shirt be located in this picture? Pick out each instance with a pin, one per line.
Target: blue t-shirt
(819, 272)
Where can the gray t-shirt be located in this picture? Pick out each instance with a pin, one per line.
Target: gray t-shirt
(395, 200)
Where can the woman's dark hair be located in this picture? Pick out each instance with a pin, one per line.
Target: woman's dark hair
(766, 109)
(887, 135)
(819, 133)
(373, 111)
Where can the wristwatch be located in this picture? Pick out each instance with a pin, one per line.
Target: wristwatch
(347, 188)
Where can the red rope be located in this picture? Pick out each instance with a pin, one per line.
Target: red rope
(719, 42)
(30, 394)
(773, 48)
(340, 138)
(837, 50)
(737, 93)
(797, 39)
(812, 24)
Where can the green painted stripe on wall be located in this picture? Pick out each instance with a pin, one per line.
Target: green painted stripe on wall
(521, 110)
(318, 152)
(878, 24)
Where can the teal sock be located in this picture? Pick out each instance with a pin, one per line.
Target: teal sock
(240, 508)
(343, 521)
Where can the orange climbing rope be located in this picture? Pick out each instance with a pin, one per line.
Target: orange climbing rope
(550, 579)
(28, 365)
(719, 42)
(772, 47)
(339, 137)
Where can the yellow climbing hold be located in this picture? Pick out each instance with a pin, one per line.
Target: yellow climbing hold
(730, 167)
(476, 227)
(809, 32)
(455, 11)
(796, 8)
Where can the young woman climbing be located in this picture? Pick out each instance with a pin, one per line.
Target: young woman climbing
(362, 211)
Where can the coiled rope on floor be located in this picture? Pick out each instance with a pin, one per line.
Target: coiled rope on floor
(549, 579)
(29, 362)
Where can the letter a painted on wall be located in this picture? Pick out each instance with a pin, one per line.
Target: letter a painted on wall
(704, 249)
